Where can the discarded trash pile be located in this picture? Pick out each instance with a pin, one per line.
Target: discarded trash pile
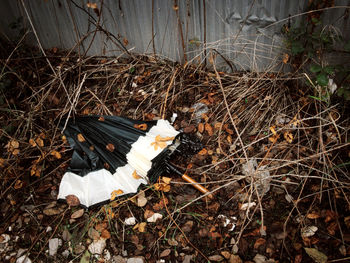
(114, 155)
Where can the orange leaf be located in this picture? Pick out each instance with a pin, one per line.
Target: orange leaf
(313, 215)
(288, 137)
(142, 126)
(105, 234)
(210, 97)
(33, 170)
(162, 187)
(135, 175)
(14, 144)
(229, 131)
(166, 180)
(209, 129)
(229, 139)
(56, 154)
(217, 125)
(81, 138)
(18, 184)
(125, 41)
(115, 193)
(91, 5)
(15, 152)
(201, 127)
(101, 118)
(272, 129)
(148, 213)
(274, 138)
(260, 241)
(110, 147)
(32, 142)
(2, 162)
(203, 152)
(285, 58)
(205, 117)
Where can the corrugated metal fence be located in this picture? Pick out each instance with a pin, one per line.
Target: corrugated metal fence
(245, 32)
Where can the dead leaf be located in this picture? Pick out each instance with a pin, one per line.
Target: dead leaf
(56, 154)
(92, 5)
(110, 147)
(209, 129)
(101, 118)
(105, 234)
(259, 242)
(115, 193)
(51, 211)
(166, 180)
(172, 242)
(161, 204)
(141, 227)
(189, 129)
(2, 162)
(226, 254)
(148, 213)
(135, 175)
(217, 125)
(80, 138)
(313, 215)
(285, 58)
(272, 129)
(77, 214)
(141, 199)
(332, 228)
(72, 200)
(330, 215)
(125, 41)
(255, 232)
(142, 126)
(18, 184)
(14, 144)
(93, 234)
(288, 137)
(229, 139)
(298, 258)
(216, 258)
(99, 227)
(32, 142)
(15, 152)
(274, 138)
(162, 187)
(203, 152)
(308, 231)
(316, 255)
(165, 253)
(201, 127)
(235, 259)
(39, 142)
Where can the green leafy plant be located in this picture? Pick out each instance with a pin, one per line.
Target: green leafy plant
(309, 41)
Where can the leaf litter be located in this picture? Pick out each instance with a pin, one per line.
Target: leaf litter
(291, 148)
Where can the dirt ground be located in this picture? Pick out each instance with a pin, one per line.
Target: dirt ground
(275, 160)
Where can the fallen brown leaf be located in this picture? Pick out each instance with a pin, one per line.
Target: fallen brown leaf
(77, 214)
(80, 138)
(209, 129)
(165, 253)
(105, 234)
(110, 147)
(259, 242)
(72, 200)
